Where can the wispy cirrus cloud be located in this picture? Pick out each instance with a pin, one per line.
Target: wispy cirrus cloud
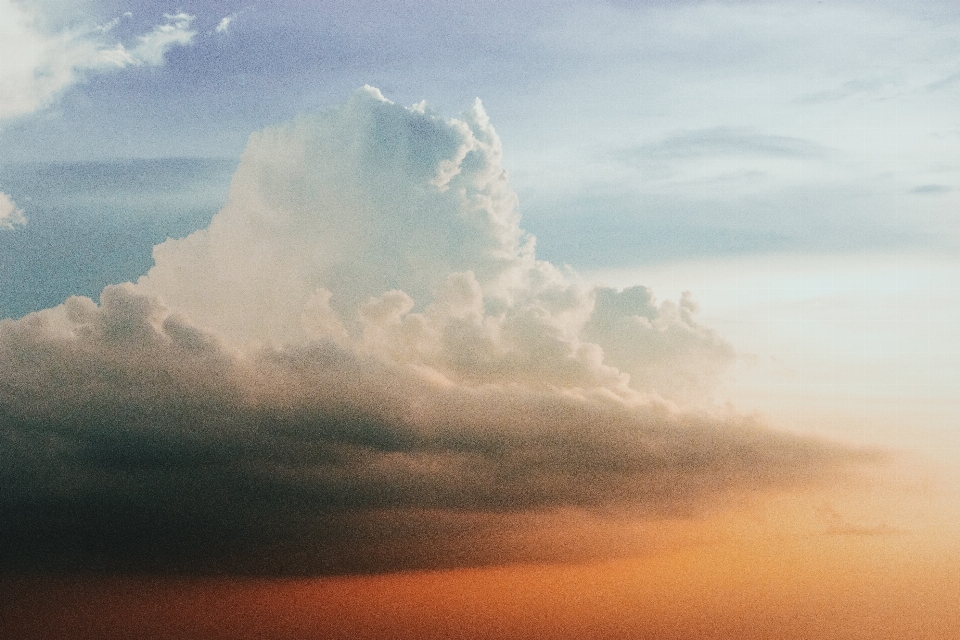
(39, 64)
(151, 47)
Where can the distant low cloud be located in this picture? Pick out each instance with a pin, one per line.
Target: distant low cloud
(724, 141)
(944, 83)
(845, 90)
(39, 65)
(361, 365)
(10, 214)
(838, 525)
(931, 189)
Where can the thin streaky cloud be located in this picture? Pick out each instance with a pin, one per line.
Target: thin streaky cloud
(725, 141)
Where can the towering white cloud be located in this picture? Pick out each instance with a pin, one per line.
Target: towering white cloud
(362, 365)
(393, 231)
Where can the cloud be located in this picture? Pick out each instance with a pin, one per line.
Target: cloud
(944, 83)
(838, 525)
(40, 65)
(725, 141)
(847, 89)
(361, 365)
(10, 214)
(224, 25)
(931, 189)
(135, 441)
(402, 238)
(152, 47)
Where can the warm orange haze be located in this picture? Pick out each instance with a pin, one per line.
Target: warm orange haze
(322, 380)
(763, 575)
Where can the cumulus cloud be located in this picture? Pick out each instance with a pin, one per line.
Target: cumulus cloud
(39, 65)
(135, 441)
(396, 233)
(10, 214)
(361, 365)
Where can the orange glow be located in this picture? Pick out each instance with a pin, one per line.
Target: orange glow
(793, 567)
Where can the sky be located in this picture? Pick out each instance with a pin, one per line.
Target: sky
(555, 320)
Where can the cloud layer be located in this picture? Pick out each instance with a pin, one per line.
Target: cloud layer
(361, 365)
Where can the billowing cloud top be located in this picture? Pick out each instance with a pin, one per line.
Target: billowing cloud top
(394, 232)
(361, 365)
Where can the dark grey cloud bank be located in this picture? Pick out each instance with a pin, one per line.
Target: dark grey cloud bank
(360, 366)
(135, 448)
